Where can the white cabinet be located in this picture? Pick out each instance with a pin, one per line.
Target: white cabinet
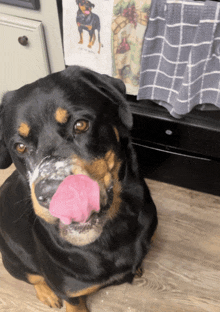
(30, 44)
(23, 51)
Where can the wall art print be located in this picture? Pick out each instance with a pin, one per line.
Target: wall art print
(130, 19)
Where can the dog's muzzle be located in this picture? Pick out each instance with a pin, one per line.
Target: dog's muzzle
(49, 174)
(44, 183)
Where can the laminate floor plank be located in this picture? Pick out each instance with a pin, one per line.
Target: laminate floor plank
(181, 271)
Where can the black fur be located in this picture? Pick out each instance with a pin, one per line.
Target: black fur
(31, 245)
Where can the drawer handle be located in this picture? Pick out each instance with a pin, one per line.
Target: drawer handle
(23, 40)
(169, 132)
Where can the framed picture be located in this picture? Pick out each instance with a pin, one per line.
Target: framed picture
(29, 4)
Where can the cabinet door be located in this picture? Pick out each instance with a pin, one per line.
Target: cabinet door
(23, 52)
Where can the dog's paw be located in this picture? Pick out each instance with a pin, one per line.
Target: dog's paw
(47, 296)
(139, 273)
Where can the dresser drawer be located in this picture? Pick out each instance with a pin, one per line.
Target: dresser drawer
(194, 173)
(194, 134)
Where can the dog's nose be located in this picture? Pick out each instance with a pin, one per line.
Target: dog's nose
(44, 191)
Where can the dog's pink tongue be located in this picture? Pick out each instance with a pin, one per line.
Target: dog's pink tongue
(76, 197)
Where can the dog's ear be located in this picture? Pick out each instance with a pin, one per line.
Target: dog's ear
(116, 90)
(111, 88)
(5, 158)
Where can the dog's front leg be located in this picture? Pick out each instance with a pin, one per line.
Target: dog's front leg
(44, 293)
(91, 39)
(80, 33)
(80, 307)
(81, 38)
(77, 300)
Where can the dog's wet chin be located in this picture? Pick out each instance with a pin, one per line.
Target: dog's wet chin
(80, 234)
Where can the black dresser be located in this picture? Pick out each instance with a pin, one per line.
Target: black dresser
(183, 152)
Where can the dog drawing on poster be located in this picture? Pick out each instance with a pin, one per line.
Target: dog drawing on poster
(89, 21)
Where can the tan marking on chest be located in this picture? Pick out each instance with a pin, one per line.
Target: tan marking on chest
(116, 134)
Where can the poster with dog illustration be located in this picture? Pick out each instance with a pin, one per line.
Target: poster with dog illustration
(87, 34)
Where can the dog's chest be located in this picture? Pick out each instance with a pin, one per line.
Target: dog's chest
(87, 20)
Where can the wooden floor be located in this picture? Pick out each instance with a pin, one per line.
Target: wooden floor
(181, 272)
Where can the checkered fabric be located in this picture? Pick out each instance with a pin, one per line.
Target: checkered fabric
(180, 66)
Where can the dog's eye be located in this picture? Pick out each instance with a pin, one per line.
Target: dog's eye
(20, 148)
(81, 126)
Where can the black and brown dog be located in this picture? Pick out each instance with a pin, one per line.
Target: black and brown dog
(86, 20)
(68, 123)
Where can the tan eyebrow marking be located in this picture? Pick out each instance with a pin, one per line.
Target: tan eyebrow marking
(61, 115)
(24, 129)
